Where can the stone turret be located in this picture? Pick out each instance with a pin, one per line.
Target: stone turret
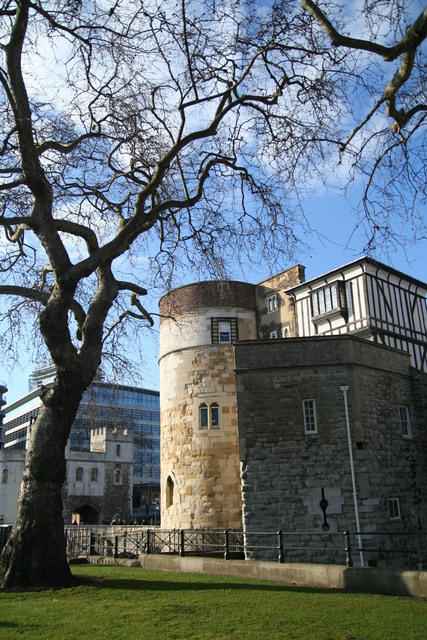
(115, 442)
(200, 477)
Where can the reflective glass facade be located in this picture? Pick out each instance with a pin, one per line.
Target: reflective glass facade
(105, 404)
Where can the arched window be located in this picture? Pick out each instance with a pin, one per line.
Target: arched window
(214, 416)
(118, 450)
(203, 416)
(117, 476)
(94, 474)
(4, 476)
(169, 492)
(79, 474)
(285, 332)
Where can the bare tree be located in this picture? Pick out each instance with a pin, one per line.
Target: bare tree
(176, 131)
(384, 145)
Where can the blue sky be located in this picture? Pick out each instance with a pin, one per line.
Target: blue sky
(329, 246)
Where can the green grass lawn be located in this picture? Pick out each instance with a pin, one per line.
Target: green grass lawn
(136, 604)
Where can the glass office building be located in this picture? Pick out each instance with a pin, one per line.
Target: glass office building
(103, 405)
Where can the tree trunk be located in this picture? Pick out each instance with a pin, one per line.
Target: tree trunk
(35, 553)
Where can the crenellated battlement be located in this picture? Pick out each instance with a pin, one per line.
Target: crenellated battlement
(111, 438)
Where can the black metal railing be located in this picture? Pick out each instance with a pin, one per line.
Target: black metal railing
(404, 550)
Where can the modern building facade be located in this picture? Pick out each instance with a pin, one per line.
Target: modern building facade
(3, 390)
(104, 405)
(255, 428)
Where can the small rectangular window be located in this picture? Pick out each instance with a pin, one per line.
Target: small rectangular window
(203, 417)
(393, 508)
(405, 422)
(272, 303)
(224, 332)
(310, 420)
(214, 416)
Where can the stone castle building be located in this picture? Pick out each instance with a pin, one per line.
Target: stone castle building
(98, 484)
(279, 395)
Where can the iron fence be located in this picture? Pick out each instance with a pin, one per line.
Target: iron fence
(382, 549)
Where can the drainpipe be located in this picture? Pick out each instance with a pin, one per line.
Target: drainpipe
(344, 390)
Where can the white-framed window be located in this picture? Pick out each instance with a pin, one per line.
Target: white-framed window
(330, 298)
(272, 303)
(79, 474)
(94, 474)
(203, 416)
(393, 508)
(117, 475)
(224, 332)
(405, 422)
(285, 332)
(309, 412)
(273, 335)
(214, 415)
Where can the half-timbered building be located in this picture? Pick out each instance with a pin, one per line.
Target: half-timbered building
(369, 299)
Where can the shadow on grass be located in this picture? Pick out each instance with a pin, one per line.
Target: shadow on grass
(102, 582)
(18, 625)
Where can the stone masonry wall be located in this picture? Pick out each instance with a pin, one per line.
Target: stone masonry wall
(200, 478)
(284, 315)
(202, 464)
(284, 470)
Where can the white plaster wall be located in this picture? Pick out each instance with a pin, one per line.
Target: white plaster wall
(194, 329)
(13, 461)
(85, 488)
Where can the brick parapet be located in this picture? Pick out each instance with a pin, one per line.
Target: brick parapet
(200, 295)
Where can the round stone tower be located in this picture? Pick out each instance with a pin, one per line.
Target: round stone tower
(200, 476)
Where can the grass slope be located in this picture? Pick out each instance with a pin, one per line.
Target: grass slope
(131, 603)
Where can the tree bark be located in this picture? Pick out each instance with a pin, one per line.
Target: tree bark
(35, 553)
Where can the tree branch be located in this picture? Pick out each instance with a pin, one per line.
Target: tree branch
(61, 147)
(406, 47)
(413, 37)
(131, 286)
(24, 292)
